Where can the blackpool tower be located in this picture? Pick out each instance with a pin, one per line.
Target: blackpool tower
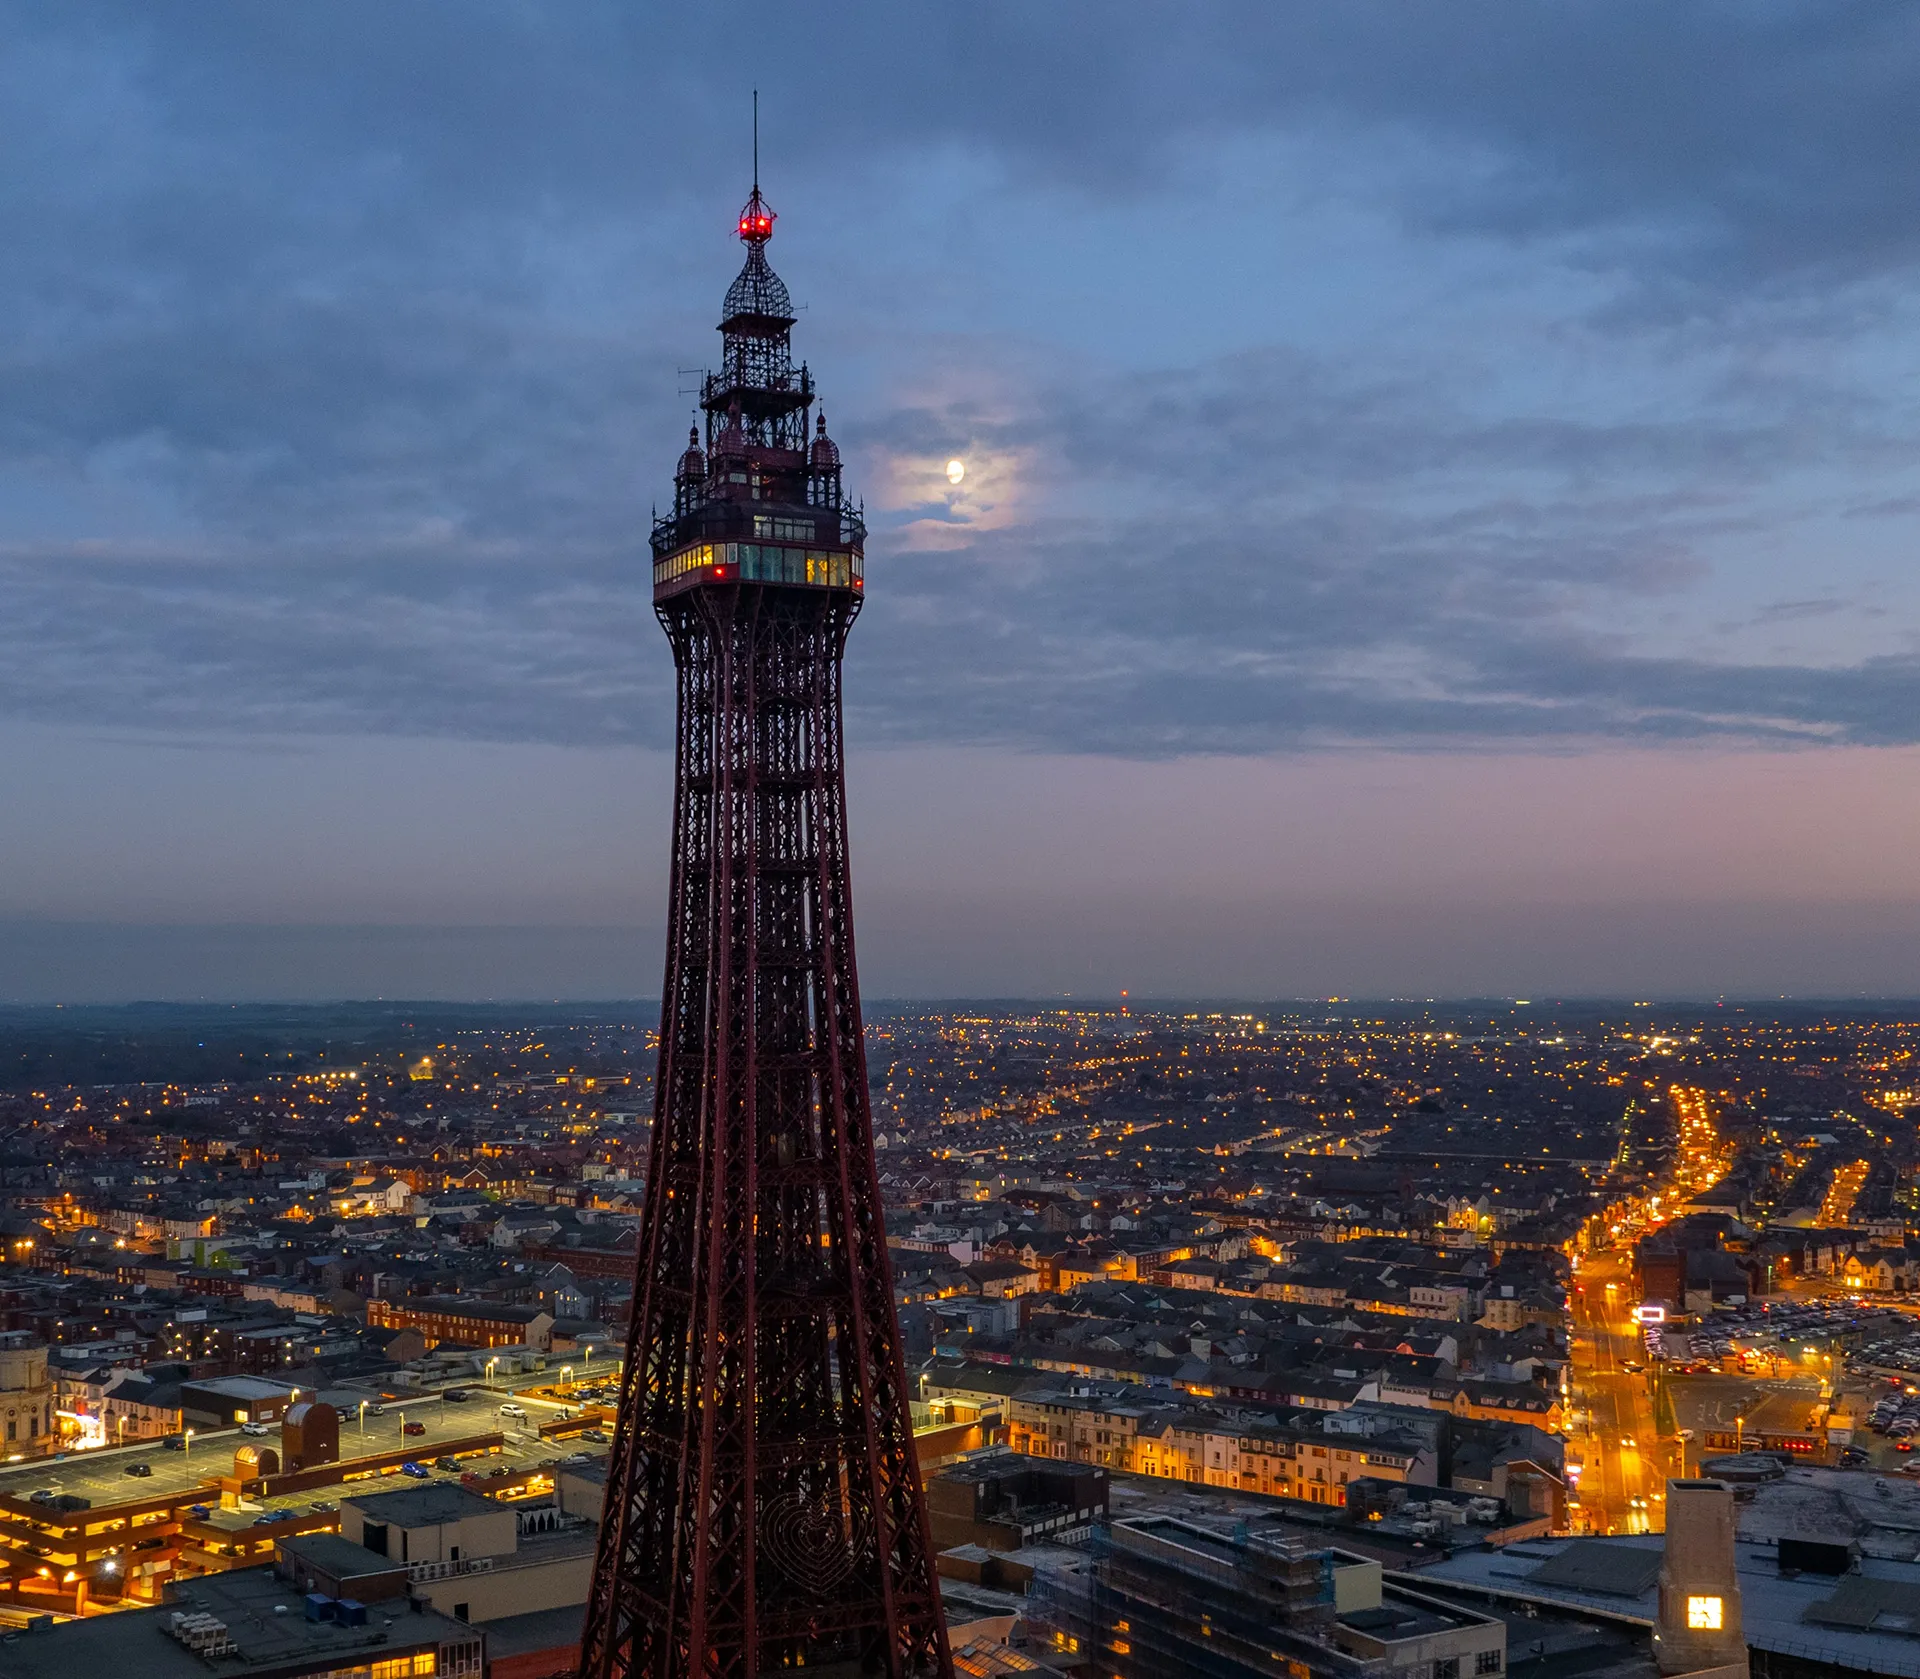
(764, 1512)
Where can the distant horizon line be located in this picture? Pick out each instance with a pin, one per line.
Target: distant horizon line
(1065, 1000)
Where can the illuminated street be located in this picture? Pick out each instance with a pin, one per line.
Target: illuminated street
(1624, 1463)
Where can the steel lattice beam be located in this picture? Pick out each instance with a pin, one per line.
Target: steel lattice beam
(764, 1509)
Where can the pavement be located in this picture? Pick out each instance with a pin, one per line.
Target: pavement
(1742, 1405)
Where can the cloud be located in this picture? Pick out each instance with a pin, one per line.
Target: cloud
(1298, 555)
(343, 368)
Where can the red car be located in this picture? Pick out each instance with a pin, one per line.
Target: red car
(413, 1428)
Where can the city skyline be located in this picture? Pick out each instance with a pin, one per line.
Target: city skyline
(1431, 521)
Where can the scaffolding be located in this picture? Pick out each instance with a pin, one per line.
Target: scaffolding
(1163, 1599)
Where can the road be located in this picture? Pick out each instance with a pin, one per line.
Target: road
(1626, 1464)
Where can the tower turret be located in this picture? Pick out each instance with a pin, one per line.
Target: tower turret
(758, 505)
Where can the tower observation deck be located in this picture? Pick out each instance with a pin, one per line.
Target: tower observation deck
(764, 1510)
(761, 501)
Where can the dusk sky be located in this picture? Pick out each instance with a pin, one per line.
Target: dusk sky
(1442, 488)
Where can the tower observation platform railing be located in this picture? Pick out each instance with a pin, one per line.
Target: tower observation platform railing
(758, 562)
(821, 523)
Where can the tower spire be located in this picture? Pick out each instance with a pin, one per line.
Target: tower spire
(757, 219)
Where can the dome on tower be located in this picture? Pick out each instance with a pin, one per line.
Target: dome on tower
(732, 437)
(758, 290)
(826, 452)
(693, 464)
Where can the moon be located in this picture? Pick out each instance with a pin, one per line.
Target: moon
(956, 470)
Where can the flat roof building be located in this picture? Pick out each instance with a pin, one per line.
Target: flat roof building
(253, 1622)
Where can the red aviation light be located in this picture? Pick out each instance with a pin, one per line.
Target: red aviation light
(756, 219)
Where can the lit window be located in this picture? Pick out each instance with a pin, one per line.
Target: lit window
(1703, 1614)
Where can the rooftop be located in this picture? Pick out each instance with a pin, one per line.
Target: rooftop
(341, 1558)
(425, 1506)
(265, 1619)
(1809, 1615)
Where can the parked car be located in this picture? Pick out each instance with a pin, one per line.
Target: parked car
(267, 1518)
(447, 1465)
(597, 1435)
(142, 1470)
(413, 1428)
(1853, 1458)
(512, 1410)
(320, 1506)
(459, 1396)
(418, 1471)
(256, 1428)
(175, 1443)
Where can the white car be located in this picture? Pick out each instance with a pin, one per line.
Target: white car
(513, 1410)
(255, 1428)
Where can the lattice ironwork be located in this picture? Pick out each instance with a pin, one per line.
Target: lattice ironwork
(764, 1510)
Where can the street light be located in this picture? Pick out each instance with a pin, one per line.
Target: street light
(490, 1364)
(363, 1416)
(566, 1377)
(186, 1444)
